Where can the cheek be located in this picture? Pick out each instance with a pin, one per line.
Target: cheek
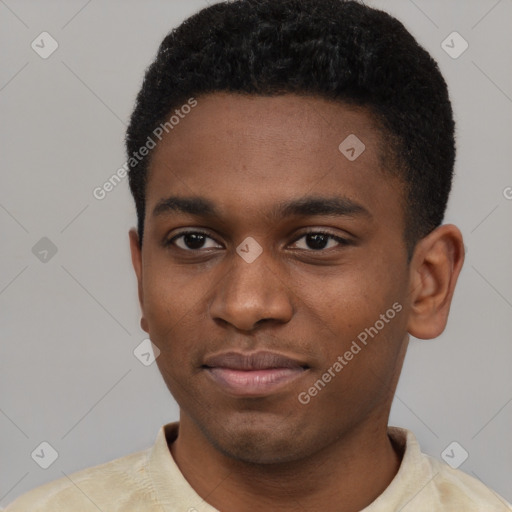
(351, 301)
(361, 317)
(175, 311)
(168, 293)
(357, 375)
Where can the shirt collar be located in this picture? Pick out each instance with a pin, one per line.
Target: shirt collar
(175, 493)
(172, 489)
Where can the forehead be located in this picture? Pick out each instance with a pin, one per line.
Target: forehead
(252, 151)
(250, 120)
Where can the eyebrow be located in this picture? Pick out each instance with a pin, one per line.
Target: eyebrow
(305, 206)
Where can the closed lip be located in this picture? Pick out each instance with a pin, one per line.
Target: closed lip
(256, 374)
(262, 360)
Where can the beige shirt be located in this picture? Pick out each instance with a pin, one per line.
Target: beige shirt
(150, 481)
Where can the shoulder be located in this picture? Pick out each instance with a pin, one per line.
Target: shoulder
(424, 483)
(456, 490)
(105, 485)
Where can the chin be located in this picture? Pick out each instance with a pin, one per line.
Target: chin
(258, 441)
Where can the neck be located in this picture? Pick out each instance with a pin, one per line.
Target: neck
(346, 476)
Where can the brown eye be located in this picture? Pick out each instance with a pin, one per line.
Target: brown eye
(317, 241)
(192, 241)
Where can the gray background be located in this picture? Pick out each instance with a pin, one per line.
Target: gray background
(69, 325)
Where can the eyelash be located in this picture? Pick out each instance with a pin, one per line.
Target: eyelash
(340, 240)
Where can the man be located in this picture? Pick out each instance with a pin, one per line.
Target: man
(290, 161)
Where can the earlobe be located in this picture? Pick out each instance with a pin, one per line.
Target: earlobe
(136, 252)
(435, 267)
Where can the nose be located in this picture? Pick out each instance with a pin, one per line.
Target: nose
(252, 293)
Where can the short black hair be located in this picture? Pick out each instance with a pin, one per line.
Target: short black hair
(333, 49)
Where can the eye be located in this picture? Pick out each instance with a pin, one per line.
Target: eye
(318, 240)
(313, 241)
(192, 241)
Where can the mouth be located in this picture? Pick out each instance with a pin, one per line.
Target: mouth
(253, 375)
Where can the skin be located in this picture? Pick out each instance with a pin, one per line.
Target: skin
(246, 154)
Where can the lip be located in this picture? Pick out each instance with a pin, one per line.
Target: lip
(253, 374)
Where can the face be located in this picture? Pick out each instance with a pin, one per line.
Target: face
(273, 273)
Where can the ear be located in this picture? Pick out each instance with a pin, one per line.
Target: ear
(435, 267)
(136, 250)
